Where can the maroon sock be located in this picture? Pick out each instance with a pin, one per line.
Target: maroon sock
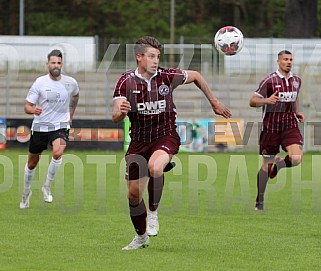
(262, 179)
(287, 161)
(155, 191)
(138, 216)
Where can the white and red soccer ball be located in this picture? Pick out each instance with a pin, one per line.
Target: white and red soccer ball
(228, 40)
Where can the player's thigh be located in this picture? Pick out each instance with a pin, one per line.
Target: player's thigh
(136, 166)
(269, 144)
(163, 150)
(58, 147)
(294, 149)
(295, 153)
(292, 141)
(38, 142)
(157, 162)
(58, 140)
(266, 161)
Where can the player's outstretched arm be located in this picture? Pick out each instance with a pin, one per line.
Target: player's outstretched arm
(218, 107)
(120, 109)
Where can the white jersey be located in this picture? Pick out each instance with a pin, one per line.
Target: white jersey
(54, 98)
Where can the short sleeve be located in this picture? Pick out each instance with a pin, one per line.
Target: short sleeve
(76, 88)
(263, 88)
(33, 94)
(177, 77)
(120, 88)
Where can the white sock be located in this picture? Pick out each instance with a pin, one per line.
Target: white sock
(52, 170)
(143, 236)
(152, 212)
(28, 177)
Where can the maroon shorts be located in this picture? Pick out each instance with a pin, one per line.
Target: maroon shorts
(138, 154)
(270, 143)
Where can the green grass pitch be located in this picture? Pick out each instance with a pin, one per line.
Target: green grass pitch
(207, 219)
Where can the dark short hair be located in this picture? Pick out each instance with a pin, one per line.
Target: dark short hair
(144, 42)
(54, 52)
(284, 52)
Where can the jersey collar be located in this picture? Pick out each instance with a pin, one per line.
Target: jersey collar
(282, 76)
(143, 78)
(148, 82)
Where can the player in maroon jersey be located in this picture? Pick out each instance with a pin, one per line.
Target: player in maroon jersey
(145, 95)
(278, 96)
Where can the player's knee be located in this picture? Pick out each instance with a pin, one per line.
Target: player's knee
(156, 171)
(266, 166)
(32, 164)
(295, 160)
(57, 154)
(133, 199)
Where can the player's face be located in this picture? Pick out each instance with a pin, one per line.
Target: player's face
(54, 66)
(148, 62)
(285, 63)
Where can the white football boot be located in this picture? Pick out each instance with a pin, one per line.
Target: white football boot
(47, 197)
(152, 223)
(24, 203)
(139, 241)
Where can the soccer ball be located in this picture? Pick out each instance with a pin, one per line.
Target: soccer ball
(228, 40)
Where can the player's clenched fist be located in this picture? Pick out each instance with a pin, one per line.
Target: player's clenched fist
(125, 107)
(38, 110)
(273, 99)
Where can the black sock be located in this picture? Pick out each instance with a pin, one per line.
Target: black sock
(138, 216)
(169, 166)
(287, 161)
(262, 179)
(155, 191)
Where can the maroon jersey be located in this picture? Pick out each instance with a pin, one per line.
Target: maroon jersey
(153, 112)
(280, 116)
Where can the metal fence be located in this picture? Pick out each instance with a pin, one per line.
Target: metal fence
(97, 61)
(93, 53)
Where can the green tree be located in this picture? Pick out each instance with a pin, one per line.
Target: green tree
(300, 19)
(9, 14)
(196, 20)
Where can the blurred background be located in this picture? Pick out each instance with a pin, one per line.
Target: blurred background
(170, 20)
(97, 36)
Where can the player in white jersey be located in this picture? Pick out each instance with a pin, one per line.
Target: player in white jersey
(52, 99)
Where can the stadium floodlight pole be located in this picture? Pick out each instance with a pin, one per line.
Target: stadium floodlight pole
(21, 22)
(172, 33)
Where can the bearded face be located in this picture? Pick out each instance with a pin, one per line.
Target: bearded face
(54, 66)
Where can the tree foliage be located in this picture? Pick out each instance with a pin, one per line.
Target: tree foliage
(196, 20)
(300, 19)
